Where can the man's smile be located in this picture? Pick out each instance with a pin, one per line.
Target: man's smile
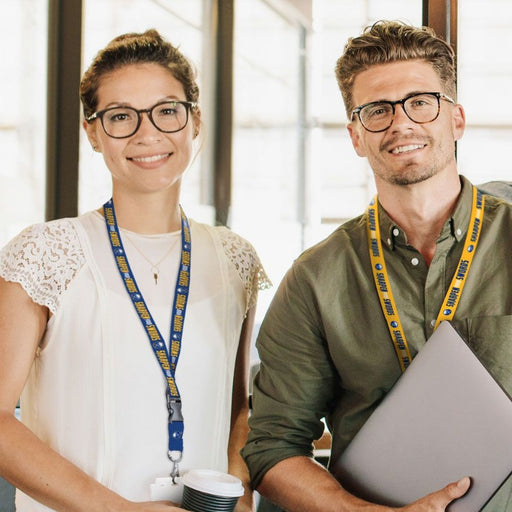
(405, 149)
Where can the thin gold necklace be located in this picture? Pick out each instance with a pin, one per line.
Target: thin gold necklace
(155, 267)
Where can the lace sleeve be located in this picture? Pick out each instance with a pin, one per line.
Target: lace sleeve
(243, 256)
(44, 259)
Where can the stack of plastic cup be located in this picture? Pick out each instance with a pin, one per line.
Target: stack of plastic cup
(210, 491)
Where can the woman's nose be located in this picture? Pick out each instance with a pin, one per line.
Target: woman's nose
(147, 130)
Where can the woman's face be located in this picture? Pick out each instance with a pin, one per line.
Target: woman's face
(149, 160)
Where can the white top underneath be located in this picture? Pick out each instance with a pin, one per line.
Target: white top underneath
(96, 393)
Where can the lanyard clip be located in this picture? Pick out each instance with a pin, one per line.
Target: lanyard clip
(174, 409)
(175, 458)
(175, 427)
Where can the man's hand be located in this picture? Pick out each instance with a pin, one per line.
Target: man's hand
(439, 500)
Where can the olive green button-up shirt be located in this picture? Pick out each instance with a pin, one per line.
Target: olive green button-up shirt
(324, 345)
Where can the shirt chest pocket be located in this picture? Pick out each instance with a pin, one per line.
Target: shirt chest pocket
(491, 340)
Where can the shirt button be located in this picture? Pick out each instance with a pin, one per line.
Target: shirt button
(415, 261)
(459, 232)
(396, 231)
(433, 323)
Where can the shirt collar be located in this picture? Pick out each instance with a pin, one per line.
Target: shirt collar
(456, 226)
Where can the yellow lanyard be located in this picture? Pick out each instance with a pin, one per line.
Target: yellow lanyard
(380, 274)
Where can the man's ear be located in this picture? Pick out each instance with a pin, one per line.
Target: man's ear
(459, 121)
(355, 137)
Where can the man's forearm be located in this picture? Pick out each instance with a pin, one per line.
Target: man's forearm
(299, 484)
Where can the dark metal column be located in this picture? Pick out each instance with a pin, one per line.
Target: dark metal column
(441, 15)
(223, 124)
(63, 107)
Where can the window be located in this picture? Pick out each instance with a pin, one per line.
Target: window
(295, 173)
(341, 182)
(484, 84)
(267, 206)
(22, 111)
(179, 22)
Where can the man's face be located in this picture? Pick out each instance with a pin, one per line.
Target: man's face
(407, 152)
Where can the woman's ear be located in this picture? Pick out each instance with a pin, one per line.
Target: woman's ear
(91, 135)
(196, 119)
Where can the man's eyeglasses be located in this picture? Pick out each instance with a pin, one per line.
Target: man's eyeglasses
(421, 108)
(122, 122)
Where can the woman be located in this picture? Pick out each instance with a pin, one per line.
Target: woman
(85, 305)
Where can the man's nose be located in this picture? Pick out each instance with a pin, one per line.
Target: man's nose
(400, 117)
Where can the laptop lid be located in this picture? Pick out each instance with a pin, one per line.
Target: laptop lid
(445, 418)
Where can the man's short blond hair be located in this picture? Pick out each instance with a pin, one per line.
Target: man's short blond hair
(392, 41)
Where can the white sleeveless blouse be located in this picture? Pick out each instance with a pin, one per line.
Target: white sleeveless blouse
(96, 393)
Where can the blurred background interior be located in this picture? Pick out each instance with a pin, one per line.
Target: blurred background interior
(277, 165)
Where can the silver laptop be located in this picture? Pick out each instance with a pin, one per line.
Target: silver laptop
(445, 418)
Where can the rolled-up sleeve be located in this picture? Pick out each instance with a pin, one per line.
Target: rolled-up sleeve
(296, 381)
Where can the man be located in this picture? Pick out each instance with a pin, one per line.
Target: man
(325, 347)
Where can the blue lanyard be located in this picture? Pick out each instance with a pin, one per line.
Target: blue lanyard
(167, 359)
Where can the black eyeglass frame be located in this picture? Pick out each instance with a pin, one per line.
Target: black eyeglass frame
(438, 95)
(189, 105)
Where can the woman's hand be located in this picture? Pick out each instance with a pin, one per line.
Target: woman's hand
(155, 506)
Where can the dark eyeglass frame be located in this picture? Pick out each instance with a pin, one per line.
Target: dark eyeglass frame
(438, 95)
(189, 105)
